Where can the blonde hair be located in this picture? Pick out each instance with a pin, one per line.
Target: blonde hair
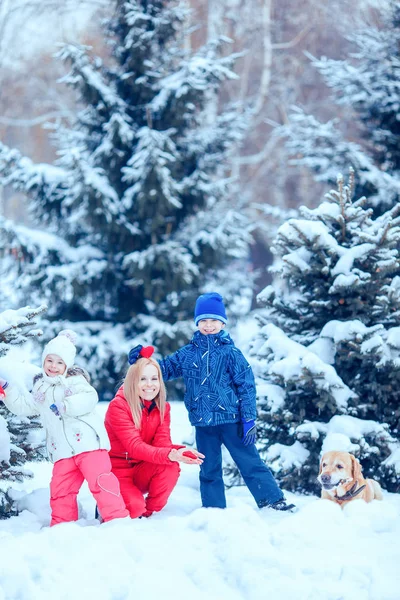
(131, 389)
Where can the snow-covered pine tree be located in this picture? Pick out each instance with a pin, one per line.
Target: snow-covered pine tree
(20, 437)
(139, 208)
(368, 85)
(327, 355)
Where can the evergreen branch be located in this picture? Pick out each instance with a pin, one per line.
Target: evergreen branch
(13, 322)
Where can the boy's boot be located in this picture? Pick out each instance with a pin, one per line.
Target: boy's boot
(283, 505)
(279, 505)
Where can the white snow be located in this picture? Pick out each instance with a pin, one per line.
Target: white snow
(349, 255)
(187, 552)
(19, 372)
(275, 394)
(284, 457)
(292, 359)
(338, 442)
(355, 428)
(346, 433)
(373, 339)
(11, 319)
(393, 459)
(315, 232)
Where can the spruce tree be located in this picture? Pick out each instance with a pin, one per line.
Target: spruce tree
(327, 353)
(367, 85)
(20, 437)
(139, 209)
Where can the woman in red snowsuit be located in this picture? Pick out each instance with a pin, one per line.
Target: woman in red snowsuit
(143, 458)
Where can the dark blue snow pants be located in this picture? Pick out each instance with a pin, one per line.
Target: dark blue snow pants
(255, 473)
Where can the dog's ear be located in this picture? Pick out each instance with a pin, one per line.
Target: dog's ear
(356, 470)
(320, 464)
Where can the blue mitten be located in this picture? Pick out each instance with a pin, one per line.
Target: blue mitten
(59, 393)
(58, 406)
(54, 408)
(249, 432)
(134, 354)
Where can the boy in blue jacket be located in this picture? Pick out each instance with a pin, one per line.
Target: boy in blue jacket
(220, 397)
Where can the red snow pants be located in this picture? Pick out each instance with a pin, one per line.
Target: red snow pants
(157, 481)
(68, 476)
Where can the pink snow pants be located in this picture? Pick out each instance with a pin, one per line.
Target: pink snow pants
(68, 476)
(157, 481)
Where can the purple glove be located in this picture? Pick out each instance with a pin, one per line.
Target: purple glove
(249, 432)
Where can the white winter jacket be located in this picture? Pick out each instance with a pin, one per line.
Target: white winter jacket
(77, 428)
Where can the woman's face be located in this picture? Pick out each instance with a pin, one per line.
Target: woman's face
(54, 365)
(149, 383)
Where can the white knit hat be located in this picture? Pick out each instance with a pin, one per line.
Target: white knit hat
(63, 345)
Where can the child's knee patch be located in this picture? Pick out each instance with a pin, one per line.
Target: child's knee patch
(108, 483)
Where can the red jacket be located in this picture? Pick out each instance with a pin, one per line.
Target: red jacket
(151, 443)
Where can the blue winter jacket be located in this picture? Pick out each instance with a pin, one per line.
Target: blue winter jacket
(219, 381)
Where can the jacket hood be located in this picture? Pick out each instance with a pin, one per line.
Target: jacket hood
(199, 339)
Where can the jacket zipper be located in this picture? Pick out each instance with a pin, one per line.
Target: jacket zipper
(63, 424)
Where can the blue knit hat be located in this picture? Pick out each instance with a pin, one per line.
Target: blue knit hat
(210, 306)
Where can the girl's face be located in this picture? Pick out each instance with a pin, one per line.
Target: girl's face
(54, 365)
(149, 383)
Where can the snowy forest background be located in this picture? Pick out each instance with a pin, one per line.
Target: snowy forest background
(149, 152)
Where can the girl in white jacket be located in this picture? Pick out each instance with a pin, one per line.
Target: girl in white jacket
(76, 439)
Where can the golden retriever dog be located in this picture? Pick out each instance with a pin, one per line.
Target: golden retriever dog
(342, 481)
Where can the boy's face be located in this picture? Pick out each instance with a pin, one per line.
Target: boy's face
(210, 326)
(54, 365)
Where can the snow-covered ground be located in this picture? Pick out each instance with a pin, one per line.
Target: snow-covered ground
(189, 553)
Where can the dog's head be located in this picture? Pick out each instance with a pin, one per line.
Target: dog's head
(338, 468)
